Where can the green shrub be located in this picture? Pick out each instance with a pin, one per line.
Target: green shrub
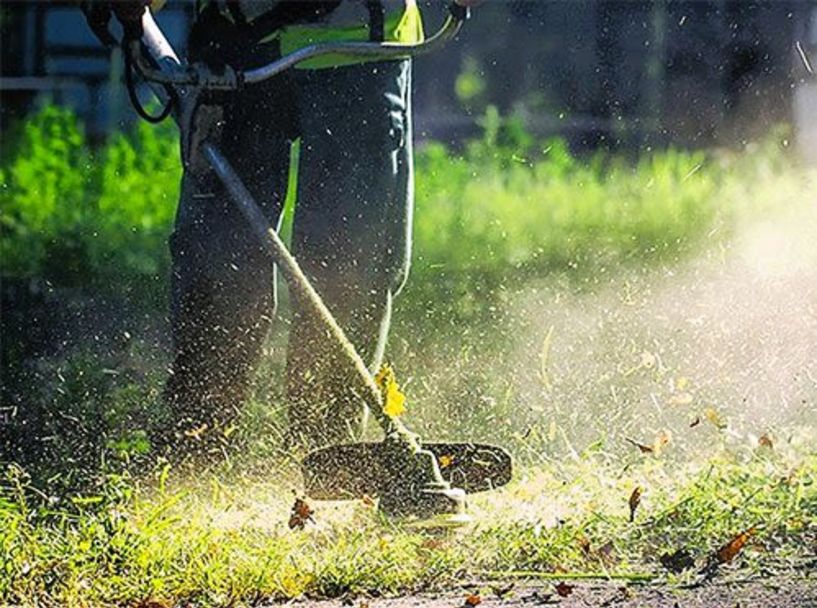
(44, 198)
(140, 177)
(83, 217)
(506, 207)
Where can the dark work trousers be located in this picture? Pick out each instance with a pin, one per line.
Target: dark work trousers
(351, 235)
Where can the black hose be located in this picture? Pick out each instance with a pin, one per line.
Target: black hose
(130, 85)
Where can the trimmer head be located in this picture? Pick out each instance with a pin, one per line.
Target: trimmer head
(350, 471)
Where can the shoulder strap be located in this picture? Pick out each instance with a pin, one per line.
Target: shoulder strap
(377, 19)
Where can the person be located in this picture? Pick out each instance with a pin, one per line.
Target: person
(352, 224)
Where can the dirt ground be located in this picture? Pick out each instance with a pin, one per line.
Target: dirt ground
(773, 593)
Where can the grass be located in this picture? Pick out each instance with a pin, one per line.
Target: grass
(556, 307)
(227, 544)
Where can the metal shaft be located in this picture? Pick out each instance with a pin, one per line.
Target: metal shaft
(297, 281)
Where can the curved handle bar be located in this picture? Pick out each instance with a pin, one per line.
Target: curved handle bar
(384, 50)
(173, 73)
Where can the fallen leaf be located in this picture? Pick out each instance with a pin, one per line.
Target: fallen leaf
(473, 599)
(432, 544)
(715, 418)
(635, 500)
(728, 552)
(367, 500)
(678, 561)
(301, 513)
(645, 449)
(394, 401)
(695, 422)
(765, 441)
(445, 460)
(564, 590)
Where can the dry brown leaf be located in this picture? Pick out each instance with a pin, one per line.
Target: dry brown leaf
(635, 500)
(473, 599)
(564, 590)
(728, 552)
(765, 441)
(367, 500)
(432, 544)
(645, 449)
(301, 513)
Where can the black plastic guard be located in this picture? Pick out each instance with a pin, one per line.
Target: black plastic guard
(350, 471)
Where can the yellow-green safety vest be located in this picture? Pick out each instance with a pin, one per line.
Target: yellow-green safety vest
(349, 22)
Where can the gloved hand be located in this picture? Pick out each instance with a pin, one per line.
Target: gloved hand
(129, 13)
(98, 15)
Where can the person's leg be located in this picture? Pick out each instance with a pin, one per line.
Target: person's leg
(351, 233)
(222, 282)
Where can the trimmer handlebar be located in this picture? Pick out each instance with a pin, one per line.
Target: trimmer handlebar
(166, 69)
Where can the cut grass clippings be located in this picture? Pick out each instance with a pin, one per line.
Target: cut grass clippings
(215, 544)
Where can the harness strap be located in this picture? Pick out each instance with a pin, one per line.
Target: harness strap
(377, 20)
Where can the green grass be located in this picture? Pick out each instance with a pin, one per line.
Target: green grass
(227, 544)
(523, 324)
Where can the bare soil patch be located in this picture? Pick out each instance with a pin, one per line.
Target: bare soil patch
(759, 593)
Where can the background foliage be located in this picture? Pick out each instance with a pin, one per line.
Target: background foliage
(505, 206)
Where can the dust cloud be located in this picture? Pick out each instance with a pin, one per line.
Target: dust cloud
(729, 339)
(716, 351)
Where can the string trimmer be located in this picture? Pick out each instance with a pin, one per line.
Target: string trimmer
(410, 478)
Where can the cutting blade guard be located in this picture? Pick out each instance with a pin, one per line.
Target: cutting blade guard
(351, 471)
